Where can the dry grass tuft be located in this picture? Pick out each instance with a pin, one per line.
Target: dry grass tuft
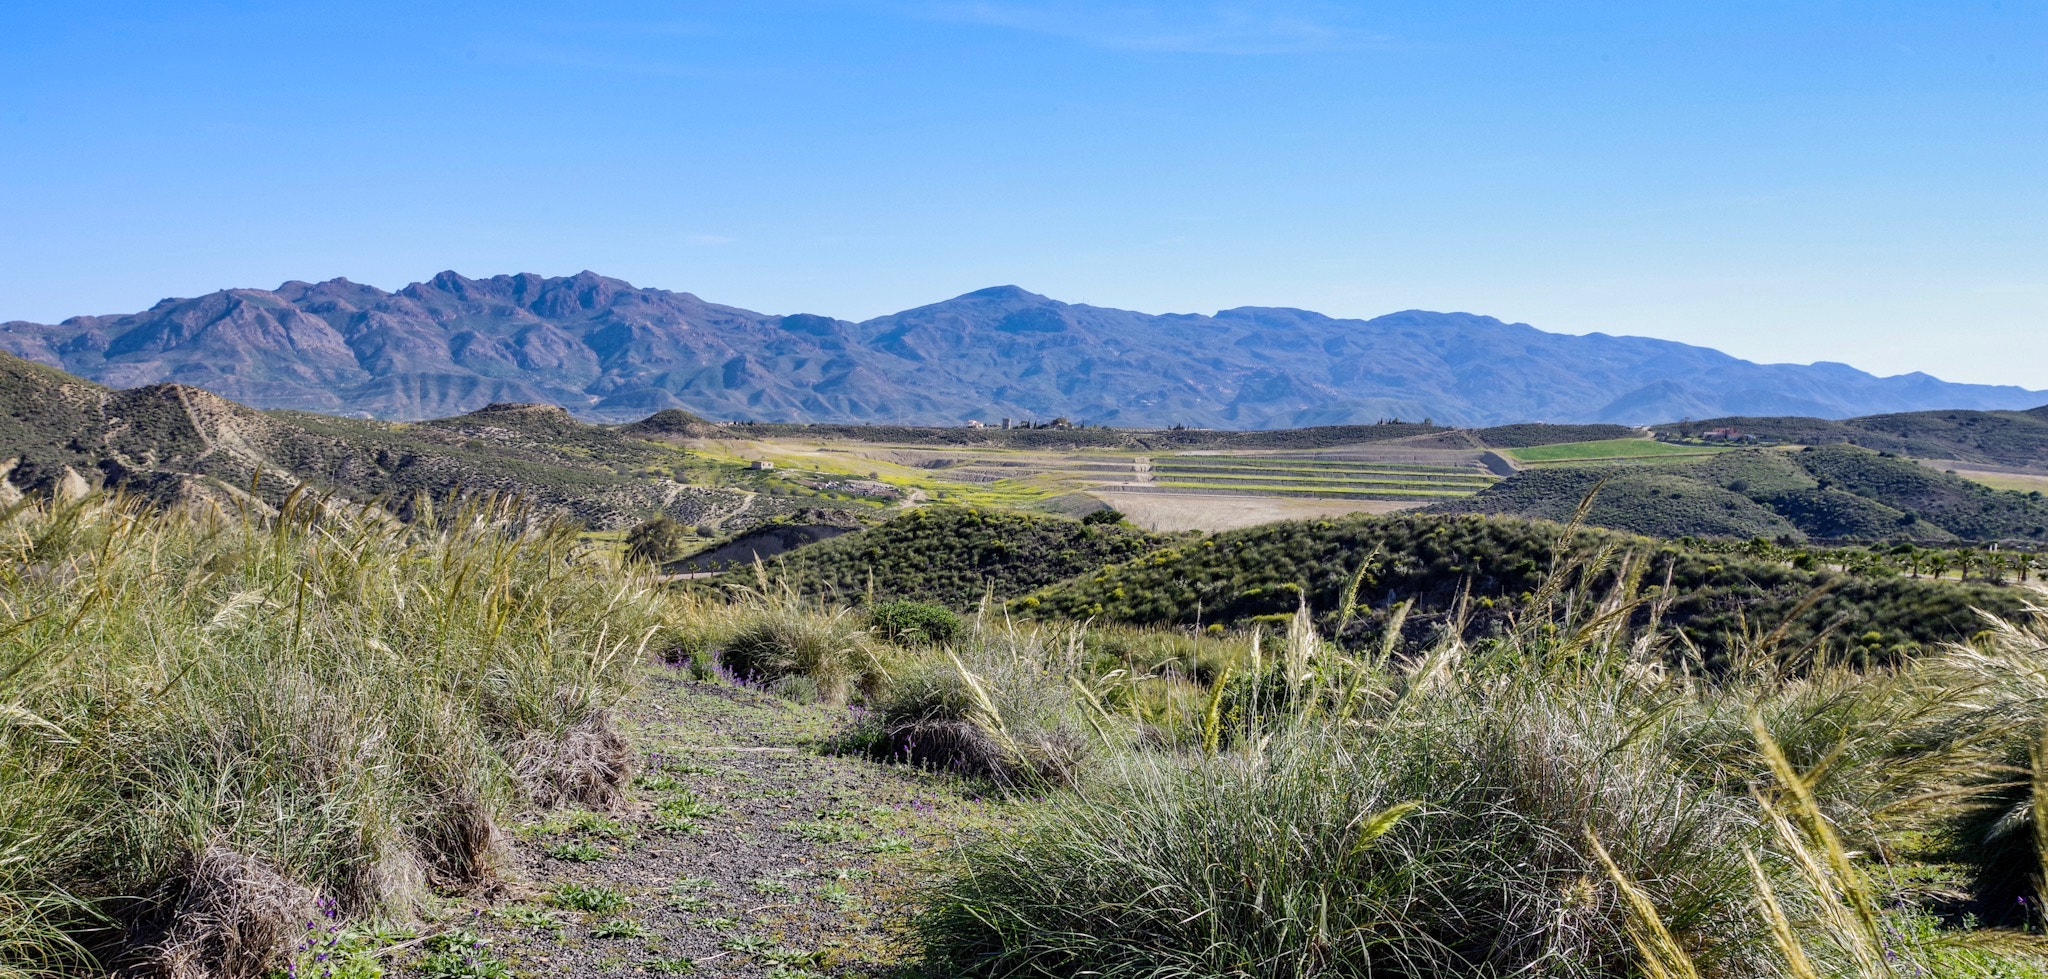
(235, 920)
(589, 766)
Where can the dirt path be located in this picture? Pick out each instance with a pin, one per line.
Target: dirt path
(744, 851)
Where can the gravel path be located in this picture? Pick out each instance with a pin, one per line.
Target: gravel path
(744, 851)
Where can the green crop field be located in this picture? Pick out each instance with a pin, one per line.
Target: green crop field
(1351, 490)
(1607, 449)
(1473, 480)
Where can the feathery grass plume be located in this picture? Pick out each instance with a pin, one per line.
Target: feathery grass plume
(1347, 600)
(1662, 956)
(1849, 909)
(1783, 932)
(2040, 792)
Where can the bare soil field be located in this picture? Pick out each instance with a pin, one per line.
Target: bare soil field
(1171, 511)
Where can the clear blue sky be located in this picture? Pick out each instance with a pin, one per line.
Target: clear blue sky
(1788, 181)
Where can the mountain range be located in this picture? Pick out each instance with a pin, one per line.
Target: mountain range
(609, 351)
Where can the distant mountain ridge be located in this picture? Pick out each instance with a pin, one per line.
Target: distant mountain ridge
(609, 351)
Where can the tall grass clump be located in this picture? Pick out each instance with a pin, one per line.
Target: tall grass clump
(809, 653)
(1441, 825)
(1578, 795)
(211, 720)
(1003, 702)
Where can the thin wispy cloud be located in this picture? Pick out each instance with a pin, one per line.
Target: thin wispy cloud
(1214, 28)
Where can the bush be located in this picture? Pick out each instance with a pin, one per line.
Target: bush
(999, 707)
(1447, 840)
(914, 623)
(1106, 515)
(829, 649)
(658, 541)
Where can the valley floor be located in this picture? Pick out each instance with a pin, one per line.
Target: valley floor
(745, 849)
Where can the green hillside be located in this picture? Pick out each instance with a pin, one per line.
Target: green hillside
(952, 556)
(2011, 438)
(1238, 576)
(1834, 492)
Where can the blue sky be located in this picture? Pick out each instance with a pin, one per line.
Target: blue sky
(1788, 181)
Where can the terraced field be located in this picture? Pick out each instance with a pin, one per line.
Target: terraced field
(1346, 479)
(1630, 451)
(1342, 479)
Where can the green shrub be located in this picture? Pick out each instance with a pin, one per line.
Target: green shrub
(830, 650)
(656, 541)
(1449, 839)
(914, 623)
(999, 706)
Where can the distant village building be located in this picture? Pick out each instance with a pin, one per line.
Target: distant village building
(762, 464)
(1727, 435)
(1006, 424)
(975, 423)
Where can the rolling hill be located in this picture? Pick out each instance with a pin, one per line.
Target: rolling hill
(2000, 438)
(172, 442)
(1488, 564)
(1825, 492)
(609, 351)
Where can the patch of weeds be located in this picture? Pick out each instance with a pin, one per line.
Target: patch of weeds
(689, 902)
(790, 956)
(528, 916)
(662, 782)
(596, 899)
(335, 954)
(685, 804)
(599, 825)
(460, 955)
(793, 972)
(747, 944)
(768, 886)
(721, 924)
(888, 844)
(836, 893)
(674, 965)
(619, 928)
(576, 851)
(826, 831)
(696, 884)
(679, 825)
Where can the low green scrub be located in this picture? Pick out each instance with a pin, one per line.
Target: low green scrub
(917, 623)
(948, 555)
(1527, 435)
(1487, 567)
(1837, 492)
